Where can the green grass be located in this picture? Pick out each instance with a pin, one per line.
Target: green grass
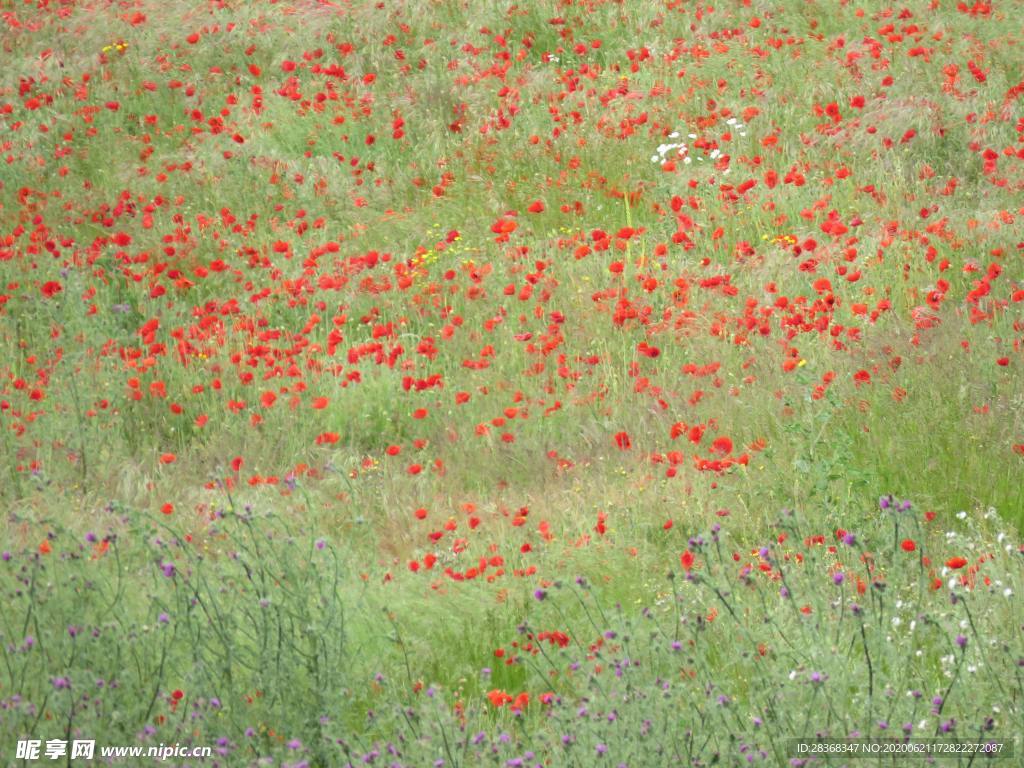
(272, 275)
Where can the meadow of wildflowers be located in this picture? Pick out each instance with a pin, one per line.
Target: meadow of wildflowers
(556, 383)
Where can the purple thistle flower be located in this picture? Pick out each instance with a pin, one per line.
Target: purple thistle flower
(838, 578)
(961, 641)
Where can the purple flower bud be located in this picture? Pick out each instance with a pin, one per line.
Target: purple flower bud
(961, 641)
(838, 578)
(540, 594)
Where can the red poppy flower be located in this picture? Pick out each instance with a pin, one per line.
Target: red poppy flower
(498, 698)
(956, 562)
(686, 560)
(908, 545)
(50, 289)
(722, 445)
